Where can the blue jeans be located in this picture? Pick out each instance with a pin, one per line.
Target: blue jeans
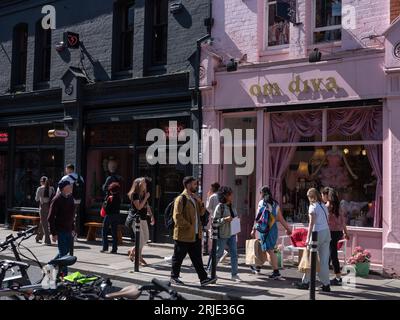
(110, 220)
(232, 249)
(64, 241)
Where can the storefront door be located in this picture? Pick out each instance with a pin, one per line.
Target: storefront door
(3, 185)
(243, 186)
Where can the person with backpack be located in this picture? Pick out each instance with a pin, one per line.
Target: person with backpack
(318, 214)
(223, 215)
(44, 194)
(139, 196)
(267, 216)
(112, 206)
(187, 231)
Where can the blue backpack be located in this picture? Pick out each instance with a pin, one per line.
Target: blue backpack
(265, 219)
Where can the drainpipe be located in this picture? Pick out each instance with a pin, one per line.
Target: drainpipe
(199, 105)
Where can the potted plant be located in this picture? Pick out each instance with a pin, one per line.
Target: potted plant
(361, 260)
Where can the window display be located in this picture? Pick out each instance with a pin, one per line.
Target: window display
(337, 155)
(341, 168)
(278, 25)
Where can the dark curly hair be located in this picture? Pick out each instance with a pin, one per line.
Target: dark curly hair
(223, 192)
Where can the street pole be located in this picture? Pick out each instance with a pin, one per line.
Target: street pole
(137, 242)
(214, 251)
(314, 251)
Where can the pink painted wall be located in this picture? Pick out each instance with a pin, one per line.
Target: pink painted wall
(239, 29)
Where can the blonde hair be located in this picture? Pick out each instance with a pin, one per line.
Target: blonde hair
(314, 195)
(137, 187)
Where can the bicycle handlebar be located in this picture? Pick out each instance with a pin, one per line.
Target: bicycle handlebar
(21, 234)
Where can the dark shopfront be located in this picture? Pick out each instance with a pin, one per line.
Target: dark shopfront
(115, 126)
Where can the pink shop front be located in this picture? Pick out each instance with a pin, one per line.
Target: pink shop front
(316, 125)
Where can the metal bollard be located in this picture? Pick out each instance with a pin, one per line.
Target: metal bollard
(314, 251)
(137, 243)
(214, 251)
(205, 244)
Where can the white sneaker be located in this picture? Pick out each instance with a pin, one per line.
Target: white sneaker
(223, 256)
(236, 278)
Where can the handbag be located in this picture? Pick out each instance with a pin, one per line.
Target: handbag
(103, 210)
(305, 262)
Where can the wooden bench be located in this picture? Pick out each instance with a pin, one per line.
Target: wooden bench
(94, 226)
(20, 218)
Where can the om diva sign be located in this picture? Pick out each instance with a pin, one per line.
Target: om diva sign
(295, 86)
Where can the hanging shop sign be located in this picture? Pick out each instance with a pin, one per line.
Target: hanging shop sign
(58, 133)
(72, 39)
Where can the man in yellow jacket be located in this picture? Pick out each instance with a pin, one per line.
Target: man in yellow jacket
(188, 208)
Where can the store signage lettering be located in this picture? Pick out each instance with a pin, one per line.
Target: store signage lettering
(3, 137)
(296, 86)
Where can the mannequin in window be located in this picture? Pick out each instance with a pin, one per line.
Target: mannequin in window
(332, 171)
(112, 166)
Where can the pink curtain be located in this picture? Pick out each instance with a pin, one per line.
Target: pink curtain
(288, 128)
(368, 123)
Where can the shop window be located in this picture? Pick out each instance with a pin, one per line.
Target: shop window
(30, 165)
(42, 54)
(3, 184)
(4, 137)
(100, 164)
(353, 169)
(158, 16)
(327, 20)
(277, 24)
(35, 135)
(124, 15)
(347, 169)
(19, 57)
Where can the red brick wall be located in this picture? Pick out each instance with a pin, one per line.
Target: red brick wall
(394, 9)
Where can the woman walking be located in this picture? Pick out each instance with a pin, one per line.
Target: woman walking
(269, 239)
(318, 215)
(139, 196)
(44, 194)
(337, 226)
(112, 217)
(223, 215)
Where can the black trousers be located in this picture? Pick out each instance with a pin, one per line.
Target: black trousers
(181, 249)
(335, 236)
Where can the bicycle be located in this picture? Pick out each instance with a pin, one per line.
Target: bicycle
(154, 291)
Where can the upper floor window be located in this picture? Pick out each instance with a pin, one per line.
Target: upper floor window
(159, 29)
(19, 56)
(123, 40)
(42, 54)
(327, 20)
(277, 24)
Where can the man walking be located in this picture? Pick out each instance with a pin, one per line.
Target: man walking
(61, 219)
(188, 207)
(77, 183)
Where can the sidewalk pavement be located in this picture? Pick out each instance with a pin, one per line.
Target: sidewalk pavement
(119, 267)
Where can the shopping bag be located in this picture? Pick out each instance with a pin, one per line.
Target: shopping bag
(254, 253)
(305, 262)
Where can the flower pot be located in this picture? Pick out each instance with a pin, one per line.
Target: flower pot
(362, 269)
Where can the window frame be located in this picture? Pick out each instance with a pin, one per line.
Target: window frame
(266, 47)
(315, 29)
(42, 69)
(160, 26)
(19, 57)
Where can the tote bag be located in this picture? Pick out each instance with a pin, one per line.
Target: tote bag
(254, 253)
(305, 263)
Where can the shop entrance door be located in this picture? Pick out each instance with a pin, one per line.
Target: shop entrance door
(3, 186)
